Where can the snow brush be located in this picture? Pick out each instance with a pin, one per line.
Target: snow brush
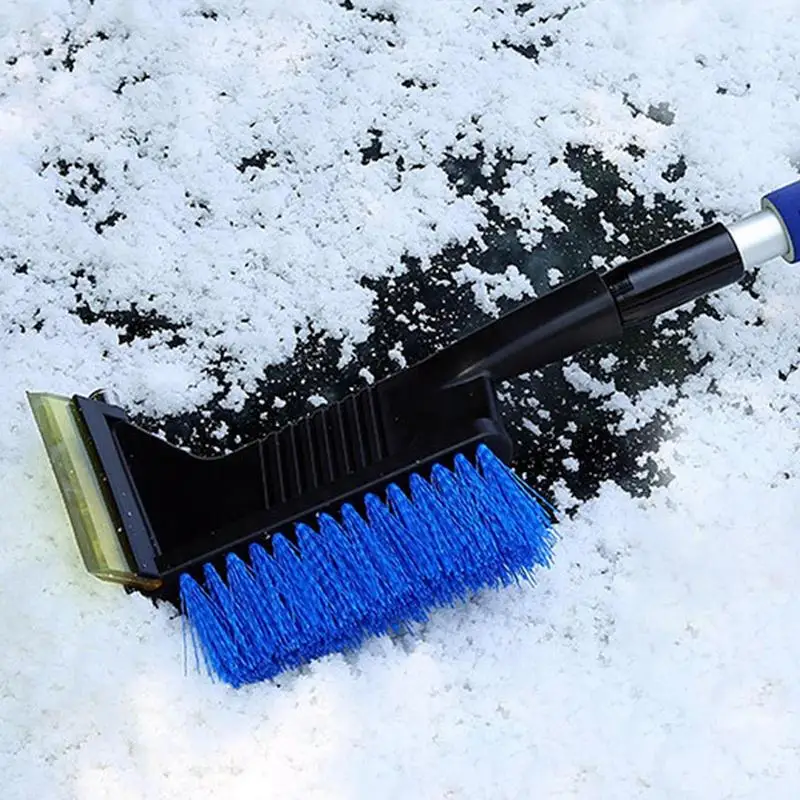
(359, 519)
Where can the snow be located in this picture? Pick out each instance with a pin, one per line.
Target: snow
(213, 170)
(488, 288)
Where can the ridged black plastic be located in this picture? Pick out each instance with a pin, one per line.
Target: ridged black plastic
(176, 511)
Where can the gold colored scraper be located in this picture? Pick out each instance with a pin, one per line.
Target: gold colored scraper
(82, 484)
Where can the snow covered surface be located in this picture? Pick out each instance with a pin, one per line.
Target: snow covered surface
(205, 164)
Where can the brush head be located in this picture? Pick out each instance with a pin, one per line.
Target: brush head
(352, 522)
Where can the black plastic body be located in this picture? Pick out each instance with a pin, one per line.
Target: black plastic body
(177, 512)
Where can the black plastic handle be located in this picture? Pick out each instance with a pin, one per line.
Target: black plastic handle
(674, 274)
(574, 316)
(592, 309)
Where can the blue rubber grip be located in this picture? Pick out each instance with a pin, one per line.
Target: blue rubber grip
(786, 203)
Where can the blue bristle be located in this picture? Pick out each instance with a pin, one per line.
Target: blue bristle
(452, 540)
(418, 541)
(482, 561)
(522, 511)
(260, 617)
(305, 599)
(411, 598)
(381, 562)
(264, 597)
(210, 631)
(487, 504)
(326, 566)
(362, 574)
(349, 576)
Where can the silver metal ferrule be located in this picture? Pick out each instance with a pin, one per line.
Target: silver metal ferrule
(759, 238)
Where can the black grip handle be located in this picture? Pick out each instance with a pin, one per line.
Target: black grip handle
(591, 309)
(674, 274)
(574, 316)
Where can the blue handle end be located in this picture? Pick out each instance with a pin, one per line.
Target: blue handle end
(785, 202)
